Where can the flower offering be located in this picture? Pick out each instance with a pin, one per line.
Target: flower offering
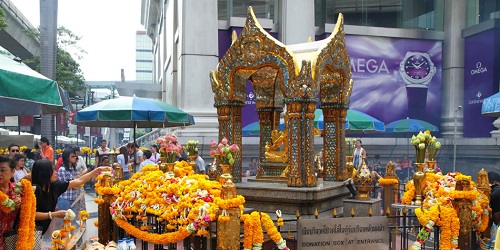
(350, 144)
(192, 147)
(169, 147)
(223, 151)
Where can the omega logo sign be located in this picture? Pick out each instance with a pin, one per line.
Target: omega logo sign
(479, 69)
(361, 65)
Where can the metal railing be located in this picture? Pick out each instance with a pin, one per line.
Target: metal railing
(403, 231)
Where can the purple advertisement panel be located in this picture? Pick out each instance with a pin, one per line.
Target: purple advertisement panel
(248, 113)
(396, 78)
(479, 82)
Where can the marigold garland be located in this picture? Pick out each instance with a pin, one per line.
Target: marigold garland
(438, 207)
(258, 234)
(154, 238)
(229, 203)
(26, 230)
(387, 181)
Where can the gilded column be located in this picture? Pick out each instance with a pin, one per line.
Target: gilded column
(333, 141)
(228, 233)
(464, 212)
(230, 127)
(105, 230)
(266, 126)
(301, 143)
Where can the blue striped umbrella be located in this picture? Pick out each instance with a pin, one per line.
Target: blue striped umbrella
(355, 121)
(410, 125)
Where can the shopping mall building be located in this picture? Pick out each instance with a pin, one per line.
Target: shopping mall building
(432, 60)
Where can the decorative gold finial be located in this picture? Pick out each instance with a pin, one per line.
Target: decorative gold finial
(335, 212)
(370, 212)
(297, 214)
(234, 36)
(316, 214)
(309, 39)
(388, 211)
(352, 212)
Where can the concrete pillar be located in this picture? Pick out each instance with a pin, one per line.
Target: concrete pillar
(296, 21)
(197, 47)
(453, 67)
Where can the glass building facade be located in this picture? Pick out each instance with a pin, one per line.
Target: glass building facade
(143, 58)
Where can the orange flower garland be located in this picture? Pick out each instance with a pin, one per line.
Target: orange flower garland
(26, 231)
(409, 194)
(154, 238)
(272, 231)
(388, 181)
(438, 207)
(248, 226)
(258, 234)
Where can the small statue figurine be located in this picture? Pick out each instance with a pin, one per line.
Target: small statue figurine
(390, 170)
(273, 154)
(118, 171)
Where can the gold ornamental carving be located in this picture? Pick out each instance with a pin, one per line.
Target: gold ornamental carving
(286, 76)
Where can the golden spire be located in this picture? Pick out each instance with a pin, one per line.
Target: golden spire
(234, 36)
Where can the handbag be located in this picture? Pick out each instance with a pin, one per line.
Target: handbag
(11, 238)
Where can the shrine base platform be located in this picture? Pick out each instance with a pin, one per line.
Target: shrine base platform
(269, 196)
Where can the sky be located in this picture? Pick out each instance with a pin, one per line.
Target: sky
(107, 29)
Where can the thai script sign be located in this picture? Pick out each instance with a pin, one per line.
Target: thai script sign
(353, 233)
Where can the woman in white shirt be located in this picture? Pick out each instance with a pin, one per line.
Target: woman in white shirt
(358, 154)
(155, 156)
(21, 170)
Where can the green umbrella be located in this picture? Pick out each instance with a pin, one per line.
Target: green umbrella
(24, 91)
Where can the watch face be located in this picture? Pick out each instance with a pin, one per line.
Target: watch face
(417, 67)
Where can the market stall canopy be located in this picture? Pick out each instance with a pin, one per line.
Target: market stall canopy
(131, 112)
(410, 125)
(491, 106)
(24, 91)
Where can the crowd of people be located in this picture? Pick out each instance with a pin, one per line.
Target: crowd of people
(58, 185)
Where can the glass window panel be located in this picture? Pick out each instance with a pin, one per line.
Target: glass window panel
(238, 8)
(409, 14)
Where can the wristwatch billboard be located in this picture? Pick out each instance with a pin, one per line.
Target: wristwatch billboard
(417, 68)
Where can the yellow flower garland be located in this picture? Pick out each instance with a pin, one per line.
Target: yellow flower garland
(229, 203)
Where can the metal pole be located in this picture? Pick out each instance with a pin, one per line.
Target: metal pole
(76, 104)
(455, 141)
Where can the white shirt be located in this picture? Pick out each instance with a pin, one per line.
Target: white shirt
(80, 165)
(121, 160)
(155, 158)
(146, 162)
(19, 174)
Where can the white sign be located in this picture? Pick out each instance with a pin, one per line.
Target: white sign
(353, 233)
